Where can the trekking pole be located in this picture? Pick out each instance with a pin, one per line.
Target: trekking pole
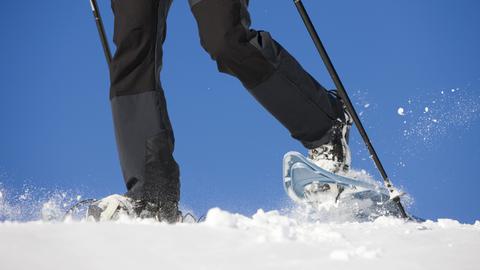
(101, 31)
(394, 195)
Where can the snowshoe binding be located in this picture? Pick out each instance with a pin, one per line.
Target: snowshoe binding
(114, 206)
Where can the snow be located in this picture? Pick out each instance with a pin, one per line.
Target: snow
(267, 240)
(431, 116)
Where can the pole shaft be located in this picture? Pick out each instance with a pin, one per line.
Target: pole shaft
(343, 94)
(101, 31)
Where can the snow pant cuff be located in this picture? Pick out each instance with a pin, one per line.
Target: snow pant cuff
(145, 145)
(315, 144)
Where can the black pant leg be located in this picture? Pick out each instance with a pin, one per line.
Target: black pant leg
(266, 69)
(143, 131)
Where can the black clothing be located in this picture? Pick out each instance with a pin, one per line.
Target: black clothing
(144, 135)
(266, 69)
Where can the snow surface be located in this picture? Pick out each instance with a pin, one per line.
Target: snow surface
(267, 240)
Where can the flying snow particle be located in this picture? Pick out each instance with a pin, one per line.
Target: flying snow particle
(426, 109)
(366, 105)
(401, 111)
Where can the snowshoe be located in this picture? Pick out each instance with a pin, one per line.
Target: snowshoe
(114, 206)
(307, 183)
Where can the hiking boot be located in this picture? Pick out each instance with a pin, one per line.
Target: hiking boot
(114, 206)
(335, 156)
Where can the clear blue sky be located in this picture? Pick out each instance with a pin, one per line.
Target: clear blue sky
(56, 128)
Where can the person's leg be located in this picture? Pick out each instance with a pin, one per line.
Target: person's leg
(267, 70)
(142, 127)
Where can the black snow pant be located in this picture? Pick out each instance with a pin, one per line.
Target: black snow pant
(143, 131)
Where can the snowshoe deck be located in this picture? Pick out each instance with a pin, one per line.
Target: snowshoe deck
(307, 183)
(304, 181)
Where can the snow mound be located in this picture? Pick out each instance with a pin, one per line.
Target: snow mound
(267, 240)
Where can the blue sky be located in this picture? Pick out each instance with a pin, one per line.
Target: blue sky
(56, 128)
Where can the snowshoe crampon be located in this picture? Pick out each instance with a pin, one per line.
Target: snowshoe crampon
(307, 183)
